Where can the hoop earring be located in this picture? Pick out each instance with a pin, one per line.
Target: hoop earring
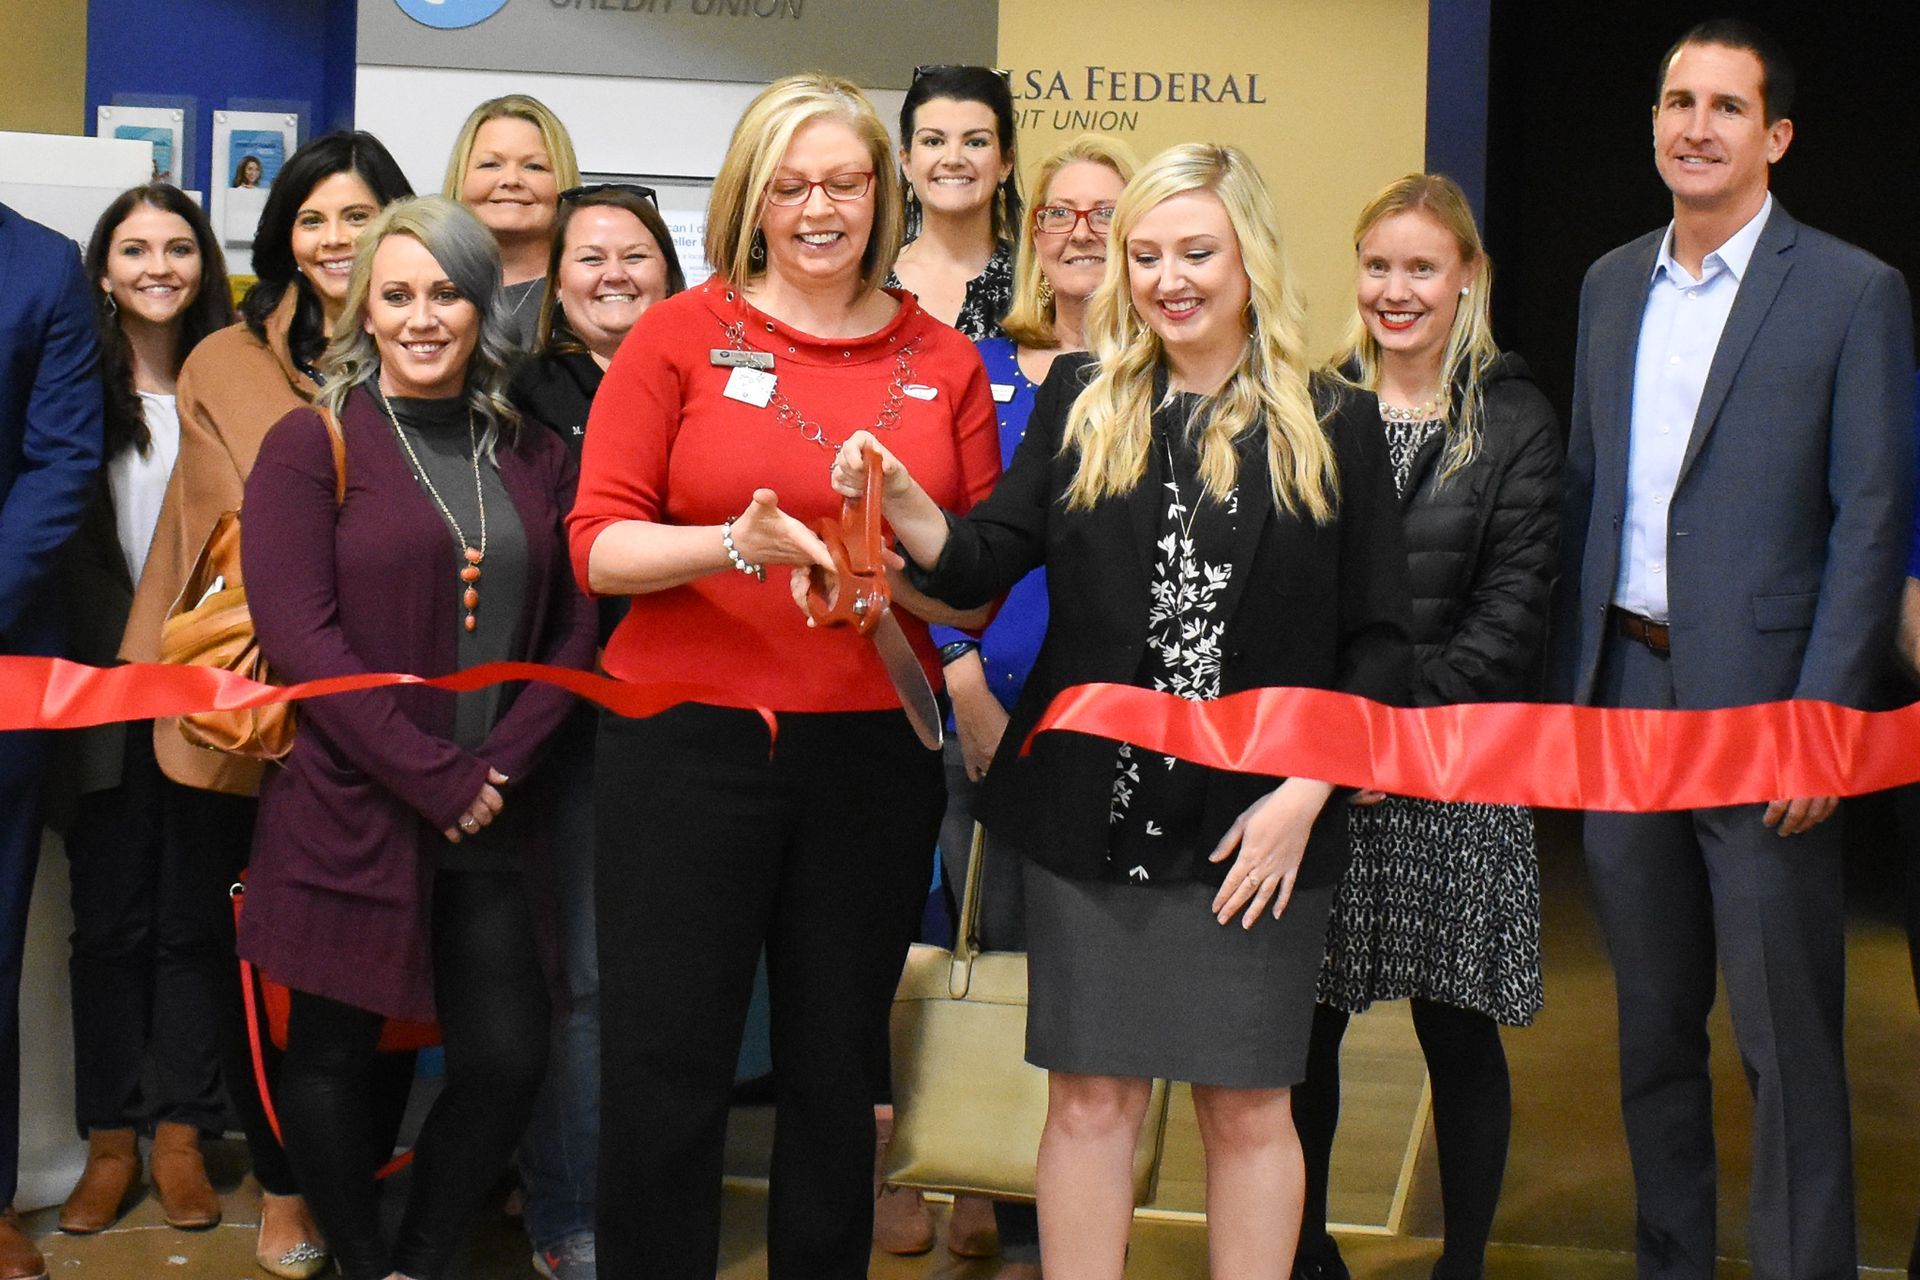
(113, 306)
(757, 250)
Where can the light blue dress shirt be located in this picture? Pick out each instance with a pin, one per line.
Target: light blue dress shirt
(1679, 332)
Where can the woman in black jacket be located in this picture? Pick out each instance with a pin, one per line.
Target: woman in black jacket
(1441, 903)
(1206, 528)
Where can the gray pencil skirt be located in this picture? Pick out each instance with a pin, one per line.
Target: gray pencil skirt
(1129, 980)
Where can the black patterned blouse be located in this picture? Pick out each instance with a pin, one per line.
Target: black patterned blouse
(989, 294)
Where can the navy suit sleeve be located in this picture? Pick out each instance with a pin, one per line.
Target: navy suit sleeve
(1869, 484)
(1576, 511)
(60, 441)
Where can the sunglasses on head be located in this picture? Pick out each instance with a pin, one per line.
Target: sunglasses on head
(929, 68)
(571, 194)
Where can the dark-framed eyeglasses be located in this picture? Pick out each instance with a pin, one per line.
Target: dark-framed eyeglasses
(840, 187)
(648, 194)
(929, 68)
(1063, 219)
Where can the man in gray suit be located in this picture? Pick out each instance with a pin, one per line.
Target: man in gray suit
(1738, 502)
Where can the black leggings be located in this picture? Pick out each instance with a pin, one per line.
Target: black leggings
(1472, 1118)
(491, 995)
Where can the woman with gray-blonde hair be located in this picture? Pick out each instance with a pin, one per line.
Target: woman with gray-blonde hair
(395, 850)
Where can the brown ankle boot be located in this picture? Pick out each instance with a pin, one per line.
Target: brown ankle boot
(19, 1260)
(107, 1184)
(187, 1199)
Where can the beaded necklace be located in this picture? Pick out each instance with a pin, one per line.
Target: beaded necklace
(469, 572)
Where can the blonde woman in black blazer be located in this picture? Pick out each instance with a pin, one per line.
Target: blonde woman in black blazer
(1206, 527)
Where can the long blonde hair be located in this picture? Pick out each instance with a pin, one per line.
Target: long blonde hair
(1471, 350)
(1029, 320)
(760, 143)
(1110, 424)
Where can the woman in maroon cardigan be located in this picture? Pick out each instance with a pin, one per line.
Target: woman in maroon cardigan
(390, 861)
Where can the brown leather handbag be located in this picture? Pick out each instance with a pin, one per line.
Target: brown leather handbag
(210, 625)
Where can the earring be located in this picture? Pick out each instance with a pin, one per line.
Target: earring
(757, 251)
(1464, 291)
(113, 305)
(1044, 291)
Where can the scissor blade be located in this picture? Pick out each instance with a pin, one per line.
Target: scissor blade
(909, 681)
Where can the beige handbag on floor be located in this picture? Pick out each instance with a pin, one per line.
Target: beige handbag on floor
(968, 1107)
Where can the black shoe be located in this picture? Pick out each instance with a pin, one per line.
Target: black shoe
(1319, 1260)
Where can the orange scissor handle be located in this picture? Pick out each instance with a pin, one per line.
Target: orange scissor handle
(858, 596)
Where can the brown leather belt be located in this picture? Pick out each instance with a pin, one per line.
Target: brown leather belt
(1645, 630)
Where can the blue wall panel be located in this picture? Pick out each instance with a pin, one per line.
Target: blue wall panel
(219, 51)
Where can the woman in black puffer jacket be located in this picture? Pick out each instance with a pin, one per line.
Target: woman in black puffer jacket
(1441, 904)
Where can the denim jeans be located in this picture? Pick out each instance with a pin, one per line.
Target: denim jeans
(559, 1155)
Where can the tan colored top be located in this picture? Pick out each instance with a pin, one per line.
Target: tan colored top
(231, 391)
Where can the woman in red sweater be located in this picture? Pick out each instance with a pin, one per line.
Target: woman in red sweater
(698, 475)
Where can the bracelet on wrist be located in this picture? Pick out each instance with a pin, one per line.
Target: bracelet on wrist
(738, 561)
(954, 650)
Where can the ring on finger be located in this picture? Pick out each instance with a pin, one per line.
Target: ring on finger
(468, 823)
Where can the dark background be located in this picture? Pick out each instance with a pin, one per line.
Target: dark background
(1569, 174)
(1569, 148)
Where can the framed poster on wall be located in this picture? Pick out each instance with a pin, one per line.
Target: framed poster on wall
(249, 147)
(682, 201)
(164, 127)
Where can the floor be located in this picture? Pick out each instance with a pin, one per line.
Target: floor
(1566, 1212)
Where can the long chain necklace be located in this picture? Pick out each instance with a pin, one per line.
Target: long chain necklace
(469, 572)
(788, 416)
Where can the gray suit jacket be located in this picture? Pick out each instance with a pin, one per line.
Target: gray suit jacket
(1788, 528)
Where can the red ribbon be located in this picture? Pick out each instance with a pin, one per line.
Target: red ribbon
(52, 693)
(1553, 756)
(1557, 757)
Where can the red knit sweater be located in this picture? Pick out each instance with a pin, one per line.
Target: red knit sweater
(665, 444)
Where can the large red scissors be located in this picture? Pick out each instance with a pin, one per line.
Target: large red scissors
(858, 597)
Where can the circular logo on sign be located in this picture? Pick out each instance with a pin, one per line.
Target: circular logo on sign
(449, 14)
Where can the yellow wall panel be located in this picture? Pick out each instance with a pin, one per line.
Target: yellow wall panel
(44, 89)
(1328, 96)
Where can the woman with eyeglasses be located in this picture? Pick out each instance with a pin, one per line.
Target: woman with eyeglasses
(612, 259)
(963, 198)
(1441, 904)
(150, 961)
(1062, 260)
(1208, 525)
(706, 455)
(509, 165)
(232, 389)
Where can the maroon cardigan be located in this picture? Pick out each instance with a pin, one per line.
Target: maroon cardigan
(337, 897)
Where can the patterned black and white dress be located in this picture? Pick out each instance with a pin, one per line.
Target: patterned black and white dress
(987, 298)
(1131, 975)
(1441, 901)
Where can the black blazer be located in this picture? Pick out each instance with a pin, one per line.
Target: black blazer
(1316, 606)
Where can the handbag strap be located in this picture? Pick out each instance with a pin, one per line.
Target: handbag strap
(258, 1053)
(338, 439)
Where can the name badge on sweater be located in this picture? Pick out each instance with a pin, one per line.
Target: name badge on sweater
(750, 386)
(920, 391)
(1002, 392)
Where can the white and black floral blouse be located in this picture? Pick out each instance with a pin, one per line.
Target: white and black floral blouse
(1157, 799)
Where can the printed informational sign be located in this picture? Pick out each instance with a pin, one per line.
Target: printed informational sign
(1328, 99)
(162, 127)
(248, 149)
